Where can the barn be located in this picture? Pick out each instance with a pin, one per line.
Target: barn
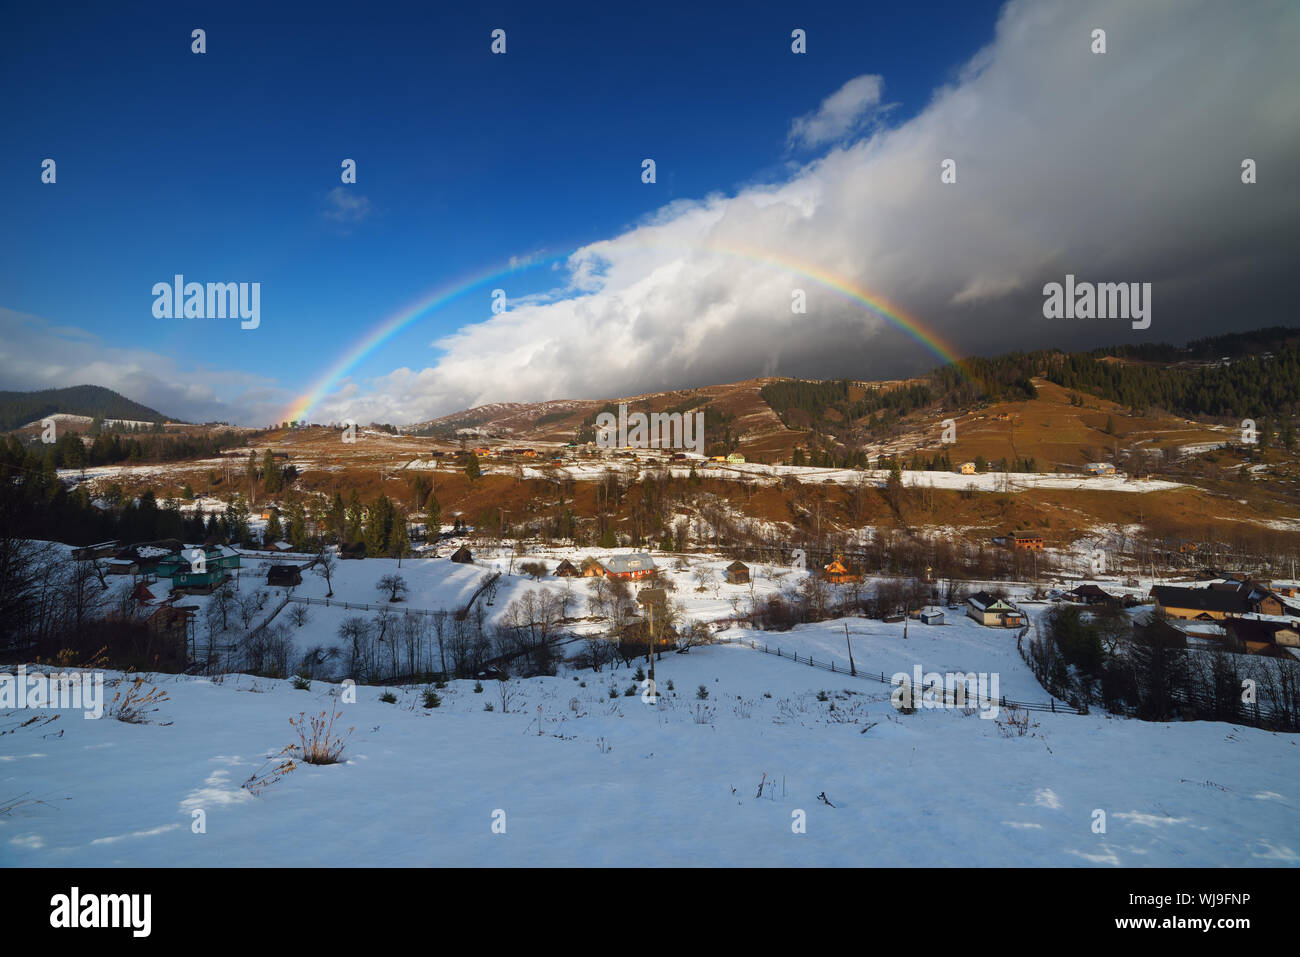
(737, 573)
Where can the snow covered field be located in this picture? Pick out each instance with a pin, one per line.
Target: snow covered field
(617, 781)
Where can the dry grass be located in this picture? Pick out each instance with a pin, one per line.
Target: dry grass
(136, 702)
(317, 742)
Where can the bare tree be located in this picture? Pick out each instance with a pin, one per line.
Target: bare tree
(326, 565)
(394, 584)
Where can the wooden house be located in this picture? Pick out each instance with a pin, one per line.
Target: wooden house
(462, 556)
(122, 566)
(1218, 601)
(737, 573)
(566, 569)
(1089, 595)
(284, 576)
(592, 568)
(841, 572)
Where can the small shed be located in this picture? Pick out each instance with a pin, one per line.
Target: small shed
(566, 569)
(463, 556)
(354, 550)
(284, 576)
(592, 568)
(931, 616)
(737, 573)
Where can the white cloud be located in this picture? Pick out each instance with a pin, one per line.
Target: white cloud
(1115, 167)
(844, 112)
(346, 206)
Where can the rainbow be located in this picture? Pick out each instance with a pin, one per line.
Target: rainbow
(443, 295)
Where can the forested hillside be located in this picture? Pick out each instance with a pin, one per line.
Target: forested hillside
(19, 408)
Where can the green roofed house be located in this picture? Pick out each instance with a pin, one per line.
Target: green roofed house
(187, 570)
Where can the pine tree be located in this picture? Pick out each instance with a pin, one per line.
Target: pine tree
(297, 526)
(355, 518)
(273, 531)
(270, 473)
(338, 517)
(400, 546)
(432, 519)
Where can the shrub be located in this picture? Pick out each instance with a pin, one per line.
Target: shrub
(487, 706)
(388, 698)
(133, 705)
(317, 742)
(301, 683)
(478, 688)
(702, 693)
(822, 696)
(631, 690)
(431, 699)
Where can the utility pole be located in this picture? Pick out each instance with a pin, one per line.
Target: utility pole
(650, 597)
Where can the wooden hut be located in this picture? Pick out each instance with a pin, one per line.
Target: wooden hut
(737, 573)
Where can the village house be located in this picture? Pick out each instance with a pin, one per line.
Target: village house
(121, 566)
(634, 566)
(1216, 603)
(735, 458)
(171, 623)
(993, 611)
(967, 468)
(1026, 541)
(1099, 468)
(462, 556)
(566, 569)
(737, 573)
(1089, 595)
(1258, 635)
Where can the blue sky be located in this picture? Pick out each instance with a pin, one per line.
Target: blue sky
(225, 166)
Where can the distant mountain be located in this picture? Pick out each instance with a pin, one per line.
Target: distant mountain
(19, 408)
